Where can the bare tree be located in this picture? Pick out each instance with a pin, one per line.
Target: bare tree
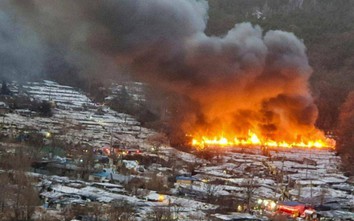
(210, 190)
(18, 198)
(67, 213)
(121, 210)
(250, 185)
(24, 197)
(44, 215)
(4, 194)
(345, 132)
(88, 160)
(167, 213)
(96, 211)
(93, 211)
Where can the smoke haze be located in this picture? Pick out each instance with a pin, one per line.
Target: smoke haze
(244, 80)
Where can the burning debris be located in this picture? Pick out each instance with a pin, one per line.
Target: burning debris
(253, 140)
(246, 87)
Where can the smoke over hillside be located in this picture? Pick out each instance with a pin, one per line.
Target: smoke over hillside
(244, 80)
(21, 52)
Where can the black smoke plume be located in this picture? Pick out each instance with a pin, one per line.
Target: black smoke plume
(244, 80)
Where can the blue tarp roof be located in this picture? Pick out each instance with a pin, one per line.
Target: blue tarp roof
(186, 178)
(101, 174)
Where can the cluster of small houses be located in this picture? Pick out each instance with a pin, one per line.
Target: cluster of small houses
(222, 177)
(61, 193)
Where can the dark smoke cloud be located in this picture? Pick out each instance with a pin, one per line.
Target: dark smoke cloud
(21, 53)
(244, 79)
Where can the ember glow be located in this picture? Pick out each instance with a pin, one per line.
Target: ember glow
(245, 87)
(252, 139)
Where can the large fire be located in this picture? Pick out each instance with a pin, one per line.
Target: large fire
(252, 139)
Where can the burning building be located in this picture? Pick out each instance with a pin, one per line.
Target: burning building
(247, 87)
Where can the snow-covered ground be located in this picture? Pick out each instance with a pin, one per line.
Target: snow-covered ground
(305, 175)
(77, 119)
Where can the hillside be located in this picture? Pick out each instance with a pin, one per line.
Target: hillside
(326, 29)
(167, 110)
(155, 176)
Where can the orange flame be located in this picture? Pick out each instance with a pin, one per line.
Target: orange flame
(254, 140)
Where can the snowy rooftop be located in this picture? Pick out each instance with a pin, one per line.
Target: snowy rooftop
(77, 119)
